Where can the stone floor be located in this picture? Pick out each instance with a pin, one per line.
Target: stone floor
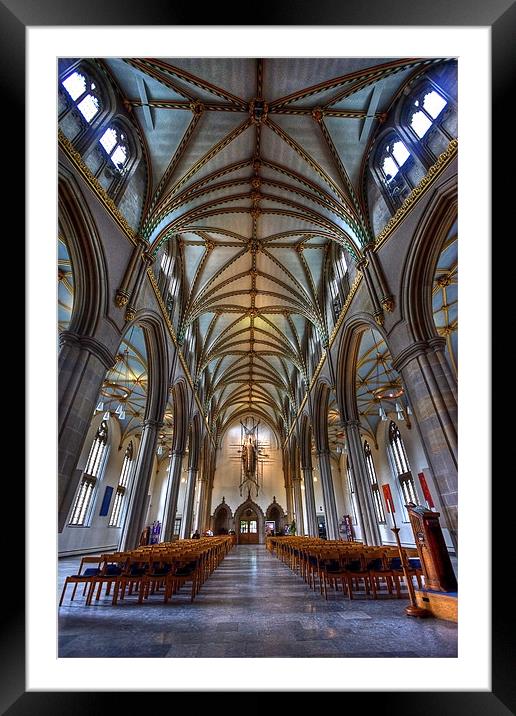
(251, 606)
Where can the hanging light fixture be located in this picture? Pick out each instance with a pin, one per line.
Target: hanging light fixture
(161, 446)
(120, 410)
(392, 390)
(378, 392)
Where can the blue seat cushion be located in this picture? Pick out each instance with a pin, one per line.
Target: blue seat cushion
(113, 570)
(186, 570)
(353, 565)
(332, 565)
(159, 571)
(376, 565)
(415, 562)
(90, 572)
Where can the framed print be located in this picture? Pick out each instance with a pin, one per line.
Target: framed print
(34, 39)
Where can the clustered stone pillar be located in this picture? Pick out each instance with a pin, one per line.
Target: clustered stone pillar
(363, 267)
(386, 298)
(186, 526)
(173, 484)
(122, 293)
(288, 492)
(130, 311)
(298, 505)
(330, 507)
(203, 496)
(136, 513)
(83, 363)
(433, 397)
(311, 516)
(365, 508)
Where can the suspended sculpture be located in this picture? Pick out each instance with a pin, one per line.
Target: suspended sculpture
(249, 441)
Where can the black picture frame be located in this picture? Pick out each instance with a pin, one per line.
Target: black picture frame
(500, 16)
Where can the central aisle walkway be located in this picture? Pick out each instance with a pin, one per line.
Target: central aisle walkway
(251, 606)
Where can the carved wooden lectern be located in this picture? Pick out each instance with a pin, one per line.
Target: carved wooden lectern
(431, 547)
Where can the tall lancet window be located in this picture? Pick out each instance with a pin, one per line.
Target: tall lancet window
(91, 475)
(401, 464)
(121, 490)
(373, 484)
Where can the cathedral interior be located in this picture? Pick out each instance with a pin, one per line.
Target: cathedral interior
(257, 361)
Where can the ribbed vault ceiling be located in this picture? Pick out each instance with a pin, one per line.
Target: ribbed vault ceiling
(255, 166)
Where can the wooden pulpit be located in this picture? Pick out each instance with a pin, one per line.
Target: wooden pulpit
(432, 550)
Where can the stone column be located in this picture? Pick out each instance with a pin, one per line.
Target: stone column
(203, 497)
(428, 379)
(173, 483)
(130, 311)
(288, 493)
(122, 292)
(83, 363)
(298, 505)
(288, 485)
(311, 516)
(363, 267)
(330, 507)
(365, 508)
(186, 524)
(386, 298)
(136, 513)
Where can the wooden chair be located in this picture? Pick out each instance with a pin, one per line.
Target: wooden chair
(82, 577)
(109, 573)
(184, 570)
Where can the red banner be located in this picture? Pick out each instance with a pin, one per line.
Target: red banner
(426, 491)
(387, 496)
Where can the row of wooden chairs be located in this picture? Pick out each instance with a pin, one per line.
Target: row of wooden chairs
(162, 568)
(330, 563)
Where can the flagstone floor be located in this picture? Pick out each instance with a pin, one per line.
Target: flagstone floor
(251, 606)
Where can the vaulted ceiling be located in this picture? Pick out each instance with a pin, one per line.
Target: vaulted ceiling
(255, 166)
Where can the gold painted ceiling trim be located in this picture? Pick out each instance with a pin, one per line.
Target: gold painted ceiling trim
(374, 76)
(435, 170)
(96, 187)
(362, 74)
(208, 156)
(194, 80)
(289, 141)
(182, 197)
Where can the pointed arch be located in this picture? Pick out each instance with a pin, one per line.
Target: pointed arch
(421, 262)
(89, 267)
(251, 504)
(158, 361)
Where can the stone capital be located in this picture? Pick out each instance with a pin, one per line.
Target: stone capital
(152, 423)
(130, 313)
(388, 303)
(121, 298)
(438, 343)
(379, 317)
(408, 354)
(352, 423)
(90, 344)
